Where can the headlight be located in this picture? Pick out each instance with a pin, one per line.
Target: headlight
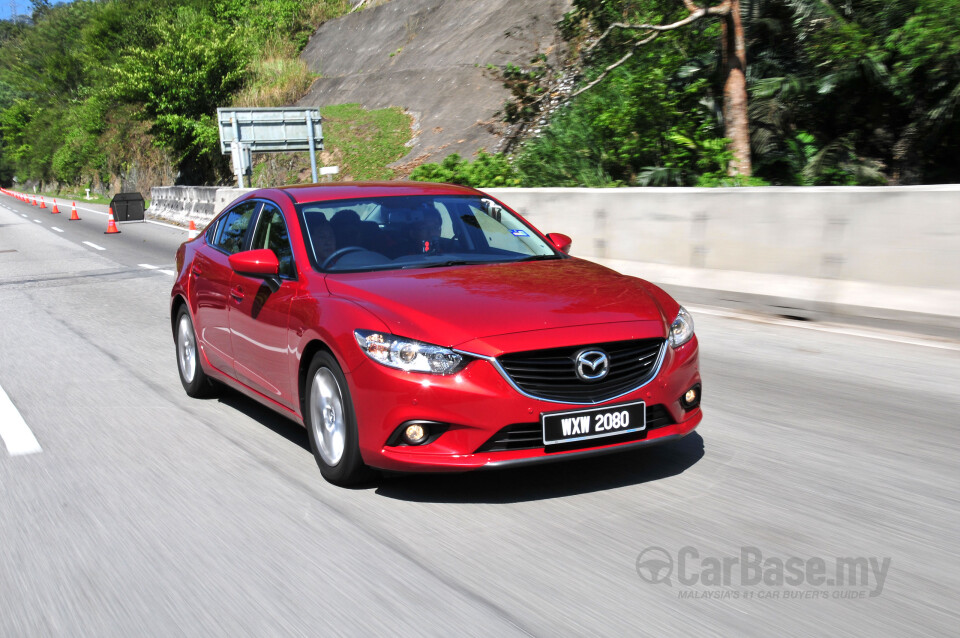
(407, 354)
(681, 331)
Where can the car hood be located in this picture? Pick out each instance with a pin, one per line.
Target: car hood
(455, 305)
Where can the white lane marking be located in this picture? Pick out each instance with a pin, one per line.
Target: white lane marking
(90, 210)
(167, 272)
(148, 266)
(14, 430)
(56, 229)
(153, 221)
(832, 329)
(92, 245)
(37, 221)
(22, 215)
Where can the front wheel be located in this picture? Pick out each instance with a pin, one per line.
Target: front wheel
(331, 422)
(195, 381)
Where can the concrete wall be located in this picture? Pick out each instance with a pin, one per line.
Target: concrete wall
(879, 252)
(182, 204)
(905, 236)
(225, 197)
(843, 250)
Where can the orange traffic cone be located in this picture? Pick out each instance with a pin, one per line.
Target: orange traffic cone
(33, 202)
(55, 211)
(73, 213)
(111, 225)
(192, 230)
(43, 204)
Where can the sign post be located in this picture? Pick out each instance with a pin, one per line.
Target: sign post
(313, 148)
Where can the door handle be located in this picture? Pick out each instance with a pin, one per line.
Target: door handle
(237, 294)
(196, 271)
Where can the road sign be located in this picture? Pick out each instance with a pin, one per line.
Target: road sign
(270, 130)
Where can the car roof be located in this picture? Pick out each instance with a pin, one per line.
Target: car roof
(306, 193)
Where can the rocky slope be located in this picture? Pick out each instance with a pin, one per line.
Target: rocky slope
(433, 57)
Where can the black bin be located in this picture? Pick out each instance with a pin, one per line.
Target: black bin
(127, 207)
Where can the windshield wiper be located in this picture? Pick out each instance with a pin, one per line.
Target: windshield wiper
(537, 258)
(449, 262)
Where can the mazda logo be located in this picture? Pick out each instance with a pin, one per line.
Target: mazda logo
(592, 365)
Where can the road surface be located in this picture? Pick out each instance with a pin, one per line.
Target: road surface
(141, 512)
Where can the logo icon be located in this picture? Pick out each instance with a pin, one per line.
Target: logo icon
(655, 565)
(592, 365)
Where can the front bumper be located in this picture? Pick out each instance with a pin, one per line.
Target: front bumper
(479, 402)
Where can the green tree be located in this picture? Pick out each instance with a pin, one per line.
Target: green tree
(197, 64)
(636, 31)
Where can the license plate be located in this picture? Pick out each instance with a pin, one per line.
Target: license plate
(593, 423)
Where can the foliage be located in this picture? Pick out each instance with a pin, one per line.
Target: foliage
(361, 143)
(275, 80)
(841, 92)
(862, 93)
(524, 85)
(653, 121)
(487, 171)
(168, 63)
(858, 92)
(197, 64)
(365, 141)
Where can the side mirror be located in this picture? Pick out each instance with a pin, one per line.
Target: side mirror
(561, 241)
(492, 209)
(258, 263)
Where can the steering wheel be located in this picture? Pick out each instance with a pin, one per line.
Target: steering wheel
(337, 254)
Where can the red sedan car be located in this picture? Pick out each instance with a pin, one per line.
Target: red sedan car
(427, 327)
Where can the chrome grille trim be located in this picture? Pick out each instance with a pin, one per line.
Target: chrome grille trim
(503, 373)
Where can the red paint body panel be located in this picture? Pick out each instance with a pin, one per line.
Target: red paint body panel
(478, 402)
(259, 334)
(255, 262)
(254, 338)
(456, 305)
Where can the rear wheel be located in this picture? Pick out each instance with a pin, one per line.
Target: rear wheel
(195, 381)
(331, 422)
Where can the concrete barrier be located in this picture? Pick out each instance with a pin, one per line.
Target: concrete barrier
(890, 254)
(225, 196)
(183, 204)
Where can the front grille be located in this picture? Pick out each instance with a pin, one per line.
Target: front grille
(551, 374)
(529, 436)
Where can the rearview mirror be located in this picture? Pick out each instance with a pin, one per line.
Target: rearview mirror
(561, 241)
(259, 263)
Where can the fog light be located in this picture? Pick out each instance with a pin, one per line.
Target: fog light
(691, 398)
(415, 434)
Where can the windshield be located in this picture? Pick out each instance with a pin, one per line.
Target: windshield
(421, 231)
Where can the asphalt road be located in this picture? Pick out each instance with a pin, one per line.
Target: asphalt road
(147, 513)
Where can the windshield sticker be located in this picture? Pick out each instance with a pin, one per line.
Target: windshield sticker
(519, 233)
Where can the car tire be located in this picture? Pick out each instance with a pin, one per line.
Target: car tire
(195, 381)
(331, 422)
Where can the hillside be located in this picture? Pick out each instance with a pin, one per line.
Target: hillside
(121, 94)
(431, 58)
